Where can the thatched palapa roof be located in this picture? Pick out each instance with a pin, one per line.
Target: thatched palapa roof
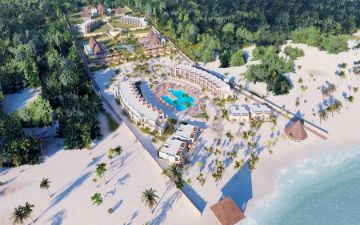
(296, 130)
(227, 212)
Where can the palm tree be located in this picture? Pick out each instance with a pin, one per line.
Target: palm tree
(323, 114)
(118, 150)
(174, 172)
(351, 99)
(96, 199)
(149, 197)
(245, 135)
(18, 216)
(337, 105)
(45, 184)
(28, 210)
(100, 169)
(332, 88)
(229, 136)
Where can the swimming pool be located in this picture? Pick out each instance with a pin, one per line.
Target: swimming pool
(182, 100)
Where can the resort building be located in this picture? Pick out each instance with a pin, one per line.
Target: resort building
(187, 133)
(173, 150)
(153, 43)
(131, 20)
(227, 212)
(295, 130)
(260, 112)
(94, 12)
(120, 11)
(89, 26)
(240, 113)
(216, 86)
(100, 10)
(184, 138)
(244, 113)
(137, 108)
(85, 14)
(94, 48)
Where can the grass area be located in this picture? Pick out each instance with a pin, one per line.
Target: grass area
(140, 31)
(110, 43)
(75, 18)
(113, 125)
(189, 50)
(103, 28)
(117, 24)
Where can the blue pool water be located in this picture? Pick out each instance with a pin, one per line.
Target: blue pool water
(181, 101)
(319, 191)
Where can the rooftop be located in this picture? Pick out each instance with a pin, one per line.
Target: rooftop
(138, 103)
(185, 130)
(227, 212)
(213, 79)
(296, 130)
(260, 108)
(173, 146)
(238, 109)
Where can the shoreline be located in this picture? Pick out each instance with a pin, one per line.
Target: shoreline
(271, 167)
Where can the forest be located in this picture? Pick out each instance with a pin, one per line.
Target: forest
(37, 51)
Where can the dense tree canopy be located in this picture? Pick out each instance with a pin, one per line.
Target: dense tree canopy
(235, 23)
(36, 50)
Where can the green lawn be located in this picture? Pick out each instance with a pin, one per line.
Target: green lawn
(110, 43)
(103, 28)
(75, 18)
(117, 24)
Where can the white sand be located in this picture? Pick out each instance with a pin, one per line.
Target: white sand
(342, 128)
(71, 174)
(13, 102)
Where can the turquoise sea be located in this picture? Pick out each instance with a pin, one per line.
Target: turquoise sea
(319, 191)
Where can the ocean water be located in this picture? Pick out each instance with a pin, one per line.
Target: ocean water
(319, 191)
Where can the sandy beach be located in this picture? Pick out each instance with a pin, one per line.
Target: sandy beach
(342, 133)
(72, 172)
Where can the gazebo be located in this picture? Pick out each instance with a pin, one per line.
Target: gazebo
(227, 212)
(295, 130)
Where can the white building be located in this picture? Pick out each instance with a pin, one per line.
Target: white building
(173, 150)
(216, 86)
(239, 112)
(132, 20)
(137, 108)
(187, 133)
(89, 25)
(260, 111)
(244, 113)
(184, 138)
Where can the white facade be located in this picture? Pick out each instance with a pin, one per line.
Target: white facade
(244, 113)
(138, 109)
(239, 112)
(216, 86)
(183, 139)
(187, 133)
(132, 20)
(260, 111)
(172, 150)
